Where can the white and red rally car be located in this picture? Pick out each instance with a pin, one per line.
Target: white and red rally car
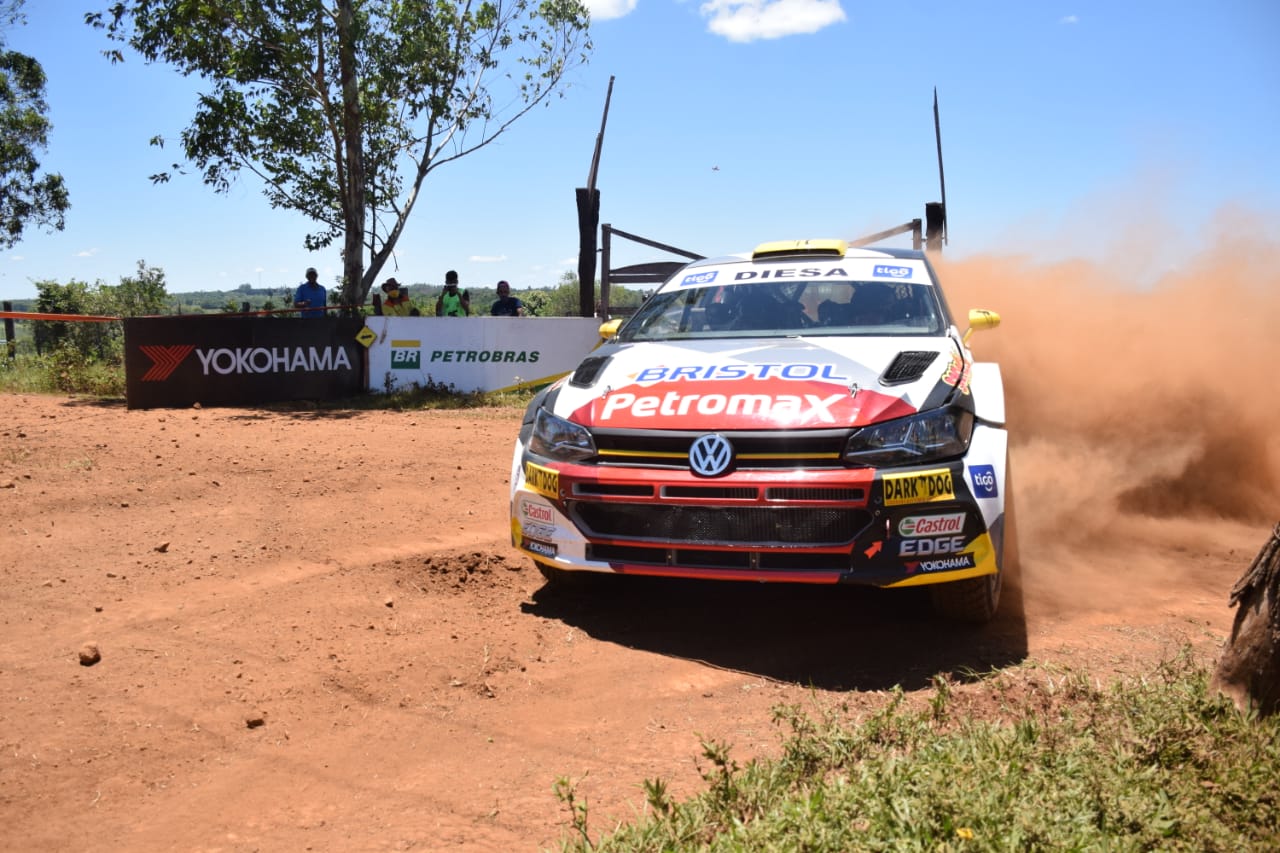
(806, 413)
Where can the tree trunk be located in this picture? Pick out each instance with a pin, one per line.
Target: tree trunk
(1249, 669)
(354, 286)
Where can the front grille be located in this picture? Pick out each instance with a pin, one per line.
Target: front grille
(814, 493)
(799, 450)
(719, 493)
(615, 490)
(690, 558)
(733, 525)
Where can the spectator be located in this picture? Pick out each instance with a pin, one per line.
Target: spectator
(395, 303)
(451, 303)
(310, 295)
(507, 305)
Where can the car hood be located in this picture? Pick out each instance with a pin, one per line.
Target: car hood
(732, 384)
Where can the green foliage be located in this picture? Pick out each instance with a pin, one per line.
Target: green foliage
(342, 109)
(564, 299)
(68, 370)
(1155, 764)
(141, 295)
(27, 196)
(87, 357)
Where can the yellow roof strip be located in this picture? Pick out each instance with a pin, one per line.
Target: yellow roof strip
(800, 248)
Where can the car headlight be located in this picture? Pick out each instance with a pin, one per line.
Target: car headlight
(559, 439)
(925, 437)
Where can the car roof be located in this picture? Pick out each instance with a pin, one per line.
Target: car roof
(853, 253)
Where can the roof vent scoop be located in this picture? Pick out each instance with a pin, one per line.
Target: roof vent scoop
(588, 371)
(907, 366)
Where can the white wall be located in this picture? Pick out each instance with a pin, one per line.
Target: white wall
(476, 353)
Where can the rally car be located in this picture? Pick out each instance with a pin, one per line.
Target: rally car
(805, 413)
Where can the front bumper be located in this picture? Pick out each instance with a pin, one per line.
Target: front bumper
(890, 527)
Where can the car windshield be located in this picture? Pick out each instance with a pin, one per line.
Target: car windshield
(777, 310)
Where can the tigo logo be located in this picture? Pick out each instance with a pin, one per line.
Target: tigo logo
(698, 278)
(886, 271)
(984, 481)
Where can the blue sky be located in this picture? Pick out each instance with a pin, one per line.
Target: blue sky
(1068, 128)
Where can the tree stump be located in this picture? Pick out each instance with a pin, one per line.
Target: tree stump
(1249, 669)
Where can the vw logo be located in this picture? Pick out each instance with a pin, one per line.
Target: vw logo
(710, 455)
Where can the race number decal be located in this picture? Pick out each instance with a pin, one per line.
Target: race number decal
(544, 481)
(920, 487)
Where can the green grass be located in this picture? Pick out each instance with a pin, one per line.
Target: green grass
(431, 396)
(61, 372)
(1063, 764)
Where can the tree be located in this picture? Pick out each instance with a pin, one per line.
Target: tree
(565, 300)
(343, 107)
(135, 296)
(26, 196)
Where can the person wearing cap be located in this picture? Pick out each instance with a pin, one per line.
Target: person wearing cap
(395, 302)
(451, 303)
(507, 305)
(310, 296)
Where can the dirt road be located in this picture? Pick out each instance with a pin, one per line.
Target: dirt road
(314, 635)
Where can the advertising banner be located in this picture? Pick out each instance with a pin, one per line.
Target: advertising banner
(475, 354)
(228, 361)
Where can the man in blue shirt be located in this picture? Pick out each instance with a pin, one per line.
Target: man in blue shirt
(310, 295)
(507, 305)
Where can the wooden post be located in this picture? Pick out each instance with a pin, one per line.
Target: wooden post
(10, 333)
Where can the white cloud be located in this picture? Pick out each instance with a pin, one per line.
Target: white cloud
(748, 20)
(87, 253)
(605, 10)
(487, 259)
(17, 258)
(1069, 19)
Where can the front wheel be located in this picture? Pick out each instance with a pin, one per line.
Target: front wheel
(971, 600)
(976, 600)
(561, 578)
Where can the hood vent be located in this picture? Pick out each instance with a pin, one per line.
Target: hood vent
(908, 366)
(588, 371)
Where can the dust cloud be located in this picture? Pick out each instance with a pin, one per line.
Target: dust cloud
(1144, 416)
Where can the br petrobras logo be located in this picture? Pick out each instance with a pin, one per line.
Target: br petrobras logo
(984, 481)
(697, 278)
(164, 360)
(710, 455)
(406, 355)
(887, 271)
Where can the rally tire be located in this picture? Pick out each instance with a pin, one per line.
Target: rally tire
(972, 600)
(561, 578)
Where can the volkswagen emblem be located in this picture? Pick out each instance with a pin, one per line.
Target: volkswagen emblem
(710, 455)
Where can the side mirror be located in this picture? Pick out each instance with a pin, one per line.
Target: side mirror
(609, 329)
(979, 319)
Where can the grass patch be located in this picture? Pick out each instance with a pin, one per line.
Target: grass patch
(62, 371)
(432, 395)
(1149, 764)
